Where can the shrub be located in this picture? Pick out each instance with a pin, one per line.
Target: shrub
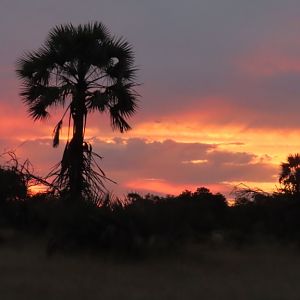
(12, 185)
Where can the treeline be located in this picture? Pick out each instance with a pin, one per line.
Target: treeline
(146, 224)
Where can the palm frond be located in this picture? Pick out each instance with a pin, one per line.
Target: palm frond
(121, 63)
(117, 121)
(123, 98)
(39, 98)
(98, 101)
(37, 110)
(56, 133)
(35, 67)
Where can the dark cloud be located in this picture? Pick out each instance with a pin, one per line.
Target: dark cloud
(181, 163)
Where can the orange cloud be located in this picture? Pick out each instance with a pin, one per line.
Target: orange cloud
(267, 141)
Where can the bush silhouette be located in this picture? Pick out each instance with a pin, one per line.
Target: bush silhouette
(290, 175)
(13, 185)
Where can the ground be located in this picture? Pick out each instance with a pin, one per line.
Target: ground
(260, 272)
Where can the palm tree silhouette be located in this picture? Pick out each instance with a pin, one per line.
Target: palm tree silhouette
(290, 174)
(84, 69)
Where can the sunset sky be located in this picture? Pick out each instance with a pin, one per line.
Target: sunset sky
(220, 90)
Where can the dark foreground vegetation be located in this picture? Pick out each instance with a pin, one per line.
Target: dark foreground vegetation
(188, 246)
(145, 225)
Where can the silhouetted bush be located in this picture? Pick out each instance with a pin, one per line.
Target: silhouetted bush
(141, 224)
(12, 185)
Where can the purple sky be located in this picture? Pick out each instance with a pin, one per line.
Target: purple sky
(219, 96)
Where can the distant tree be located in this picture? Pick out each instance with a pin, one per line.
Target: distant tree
(84, 69)
(290, 174)
(201, 191)
(186, 194)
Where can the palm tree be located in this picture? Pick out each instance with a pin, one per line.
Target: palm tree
(290, 174)
(84, 69)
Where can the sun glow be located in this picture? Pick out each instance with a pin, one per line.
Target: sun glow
(37, 189)
(163, 187)
(195, 161)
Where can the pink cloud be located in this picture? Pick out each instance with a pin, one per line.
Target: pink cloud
(269, 64)
(275, 53)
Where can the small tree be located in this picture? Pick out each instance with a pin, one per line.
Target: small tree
(15, 178)
(290, 174)
(12, 185)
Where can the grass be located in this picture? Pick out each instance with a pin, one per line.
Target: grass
(262, 272)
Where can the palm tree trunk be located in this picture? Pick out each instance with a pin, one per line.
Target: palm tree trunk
(76, 148)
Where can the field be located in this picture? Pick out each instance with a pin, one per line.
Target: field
(260, 272)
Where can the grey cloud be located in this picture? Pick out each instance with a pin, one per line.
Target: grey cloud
(136, 159)
(170, 161)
